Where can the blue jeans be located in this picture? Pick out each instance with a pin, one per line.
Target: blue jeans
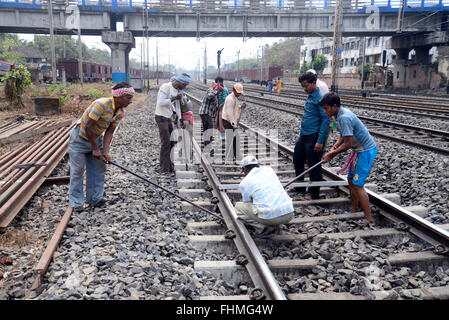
(304, 151)
(80, 152)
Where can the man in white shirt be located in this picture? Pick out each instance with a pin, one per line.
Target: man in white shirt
(230, 117)
(320, 84)
(167, 106)
(266, 205)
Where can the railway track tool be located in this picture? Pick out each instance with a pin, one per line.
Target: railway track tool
(166, 190)
(302, 174)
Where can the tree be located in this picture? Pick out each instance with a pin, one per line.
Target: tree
(366, 69)
(11, 56)
(319, 64)
(16, 82)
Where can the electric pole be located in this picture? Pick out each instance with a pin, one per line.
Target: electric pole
(262, 67)
(205, 64)
(52, 41)
(157, 64)
(80, 50)
(336, 44)
(238, 65)
(363, 44)
(219, 60)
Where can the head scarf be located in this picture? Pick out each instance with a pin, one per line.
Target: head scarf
(122, 92)
(183, 78)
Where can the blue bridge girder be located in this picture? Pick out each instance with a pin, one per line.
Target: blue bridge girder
(226, 18)
(233, 5)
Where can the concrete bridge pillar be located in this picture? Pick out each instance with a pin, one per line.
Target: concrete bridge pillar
(443, 64)
(121, 44)
(400, 68)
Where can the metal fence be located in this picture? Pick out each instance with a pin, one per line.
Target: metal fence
(242, 5)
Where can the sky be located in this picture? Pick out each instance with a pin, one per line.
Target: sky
(185, 52)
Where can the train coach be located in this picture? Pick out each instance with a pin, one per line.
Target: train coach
(252, 74)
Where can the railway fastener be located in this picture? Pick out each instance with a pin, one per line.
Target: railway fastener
(230, 234)
(257, 294)
(241, 260)
(441, 250)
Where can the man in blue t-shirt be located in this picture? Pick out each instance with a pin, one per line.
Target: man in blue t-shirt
(314, 129)
(353, 134)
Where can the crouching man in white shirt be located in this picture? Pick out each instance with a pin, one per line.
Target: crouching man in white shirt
(266, 205)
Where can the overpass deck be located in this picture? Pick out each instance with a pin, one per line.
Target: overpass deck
(262, 6)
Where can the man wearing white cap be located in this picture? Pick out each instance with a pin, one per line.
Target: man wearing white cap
(230, 117)
(320, 84)
(266, 205)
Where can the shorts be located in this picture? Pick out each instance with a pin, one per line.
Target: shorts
(365, 161)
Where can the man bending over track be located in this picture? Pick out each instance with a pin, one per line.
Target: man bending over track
(265, 204)
(353, 134)
(86, 148)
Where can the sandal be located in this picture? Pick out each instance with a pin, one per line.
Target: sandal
(267, 233)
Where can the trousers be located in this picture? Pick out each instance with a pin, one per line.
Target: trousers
(165, 126)
(80, 153)
(246, 213)
(304, 151)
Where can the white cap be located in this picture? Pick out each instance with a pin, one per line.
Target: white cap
(238, 88)
(311, 70)
(248, 160)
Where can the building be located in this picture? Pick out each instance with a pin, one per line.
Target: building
(32, 55)
(381, 59)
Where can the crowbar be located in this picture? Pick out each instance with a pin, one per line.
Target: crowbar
(166, 190)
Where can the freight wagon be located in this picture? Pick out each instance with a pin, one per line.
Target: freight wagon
(253, 74)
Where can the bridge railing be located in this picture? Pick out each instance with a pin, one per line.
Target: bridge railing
(242, 5)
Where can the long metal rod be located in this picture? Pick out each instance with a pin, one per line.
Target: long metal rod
(302, 174)
(165, 189)
(45, 260)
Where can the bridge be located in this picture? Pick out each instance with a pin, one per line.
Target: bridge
(225, 18)
(412, 23)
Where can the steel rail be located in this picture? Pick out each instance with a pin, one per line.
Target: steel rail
(430, 113)
(394, 125)
(34, 180)
(258, 269)
(433, 231)
(12, 183)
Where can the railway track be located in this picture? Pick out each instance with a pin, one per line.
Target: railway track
(322, 253)
(436, 110)
(425, 138)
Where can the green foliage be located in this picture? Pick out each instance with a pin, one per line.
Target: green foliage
(56, 87)
(95, 55)
(11, 56)
(16, 82)
(54, 90)
(94, 94)
(63, 98)
(367, 69)
(319, 64)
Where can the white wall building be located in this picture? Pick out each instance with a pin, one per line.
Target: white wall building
(351, 52)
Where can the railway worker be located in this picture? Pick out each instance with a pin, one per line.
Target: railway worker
(208, 110)
(266, 205)
(320, 84)
(353, 134)
(314, 129)
(89, 150)
(221, 99)
(230, 118)
(166, 113)
(270, 86)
